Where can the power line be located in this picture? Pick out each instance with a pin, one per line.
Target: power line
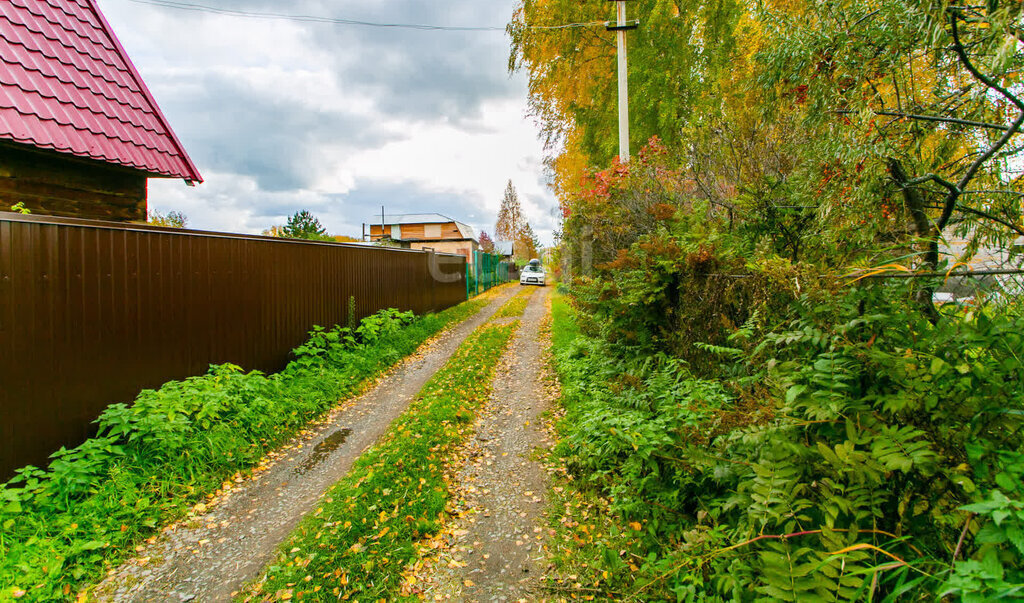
(202, 8)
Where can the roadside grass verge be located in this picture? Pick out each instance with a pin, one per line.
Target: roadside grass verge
(63, 527)
(563, 322)
(592, 550)
(515, 306)
(357, 543)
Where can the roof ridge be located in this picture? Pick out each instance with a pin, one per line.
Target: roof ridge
(194, 173)
(422, 213)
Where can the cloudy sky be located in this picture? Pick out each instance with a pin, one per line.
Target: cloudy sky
(281, 115)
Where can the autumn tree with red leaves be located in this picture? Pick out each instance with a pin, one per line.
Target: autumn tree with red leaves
(486, 244)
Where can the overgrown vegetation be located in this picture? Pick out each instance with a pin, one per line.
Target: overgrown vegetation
(357, 544)
(779, 421)
(844, 455)
(63, 526)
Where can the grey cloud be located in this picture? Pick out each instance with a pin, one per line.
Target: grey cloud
(422, 76)
(428, 75)
(364, 202)
(432, 84)
(419, 75)
(229, 127)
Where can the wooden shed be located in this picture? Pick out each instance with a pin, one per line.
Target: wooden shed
(80, 133)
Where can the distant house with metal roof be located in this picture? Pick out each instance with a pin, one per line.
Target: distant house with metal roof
(421, 231)
(504, 248)
(80, 133)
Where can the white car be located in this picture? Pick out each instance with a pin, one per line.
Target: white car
(532, 274)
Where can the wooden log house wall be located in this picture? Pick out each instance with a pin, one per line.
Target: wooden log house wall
(80, 133)
(51, 185)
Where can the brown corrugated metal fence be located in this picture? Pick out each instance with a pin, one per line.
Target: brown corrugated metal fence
(93, 312)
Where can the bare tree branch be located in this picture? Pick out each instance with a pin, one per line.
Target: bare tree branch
(983, 214)
(954, 193)
(949, 186)
(935, 118)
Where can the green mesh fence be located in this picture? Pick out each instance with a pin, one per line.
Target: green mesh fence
(485, 271)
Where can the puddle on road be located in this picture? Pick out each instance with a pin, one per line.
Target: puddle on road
(322, 450)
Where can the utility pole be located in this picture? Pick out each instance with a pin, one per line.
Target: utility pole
(620, 28)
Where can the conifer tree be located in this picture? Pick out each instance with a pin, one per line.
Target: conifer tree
(510, 216)
(304, 225)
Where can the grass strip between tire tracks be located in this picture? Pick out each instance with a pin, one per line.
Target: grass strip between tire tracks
(62, 528)
(356, 545)
(515, 306)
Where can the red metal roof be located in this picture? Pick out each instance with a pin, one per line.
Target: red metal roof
(67, 84)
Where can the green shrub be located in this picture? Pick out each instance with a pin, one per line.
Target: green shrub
(853, 450)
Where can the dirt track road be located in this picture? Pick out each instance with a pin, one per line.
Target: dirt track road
(496, 551)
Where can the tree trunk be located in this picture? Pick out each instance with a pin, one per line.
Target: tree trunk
(926, 234)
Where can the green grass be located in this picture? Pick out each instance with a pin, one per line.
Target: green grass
(592, 549)
(515, 305)
(563, 322)
(63, 527)
(360, 539)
